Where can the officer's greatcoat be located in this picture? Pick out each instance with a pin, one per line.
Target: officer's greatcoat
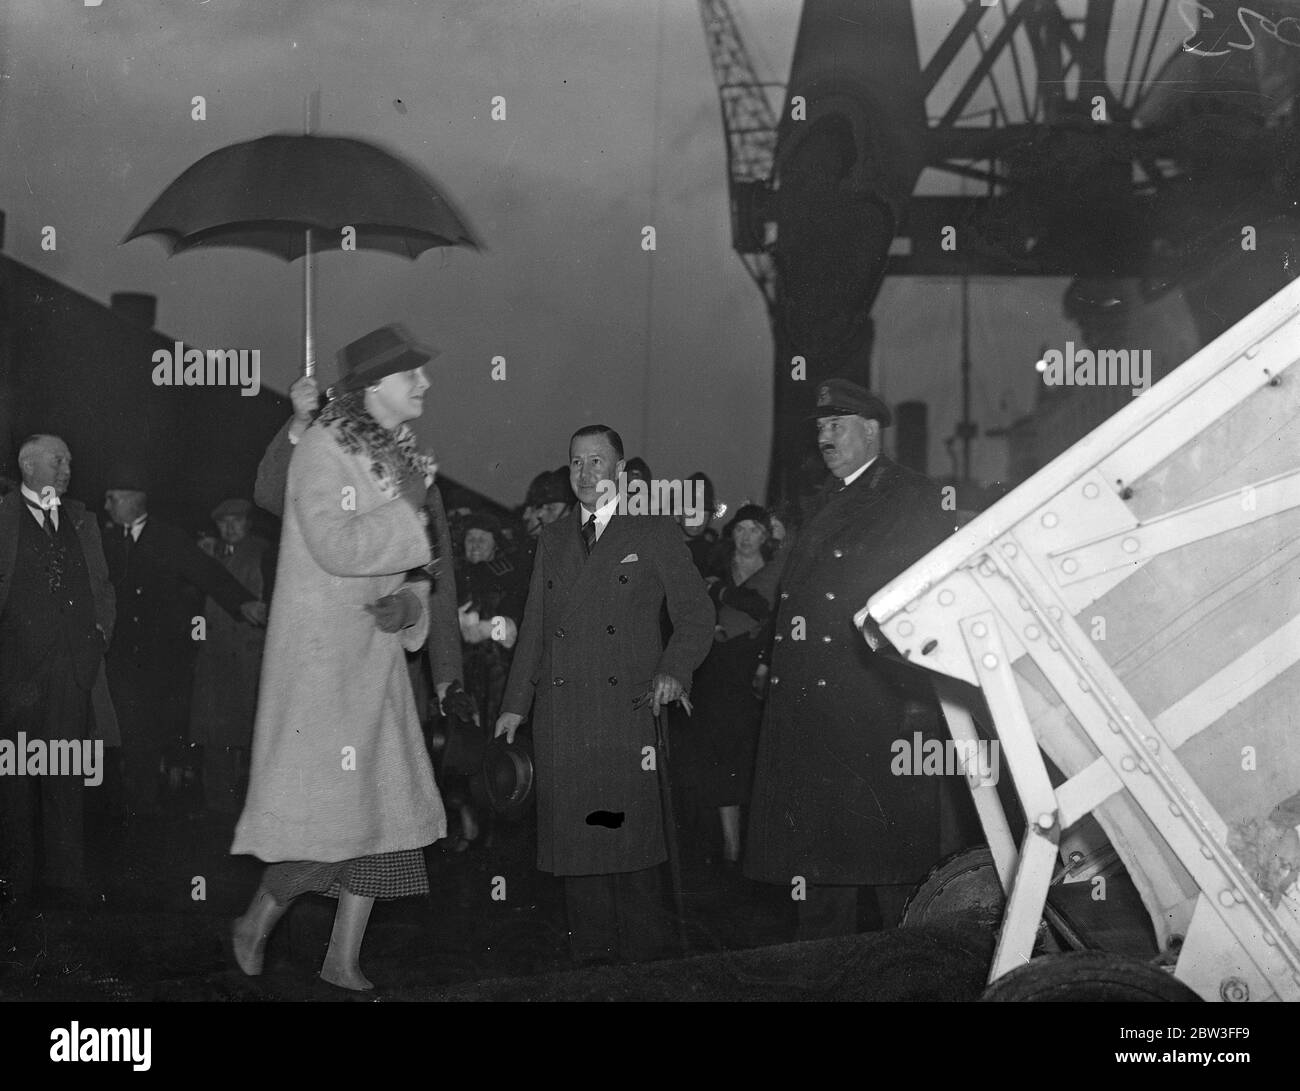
(826, 804)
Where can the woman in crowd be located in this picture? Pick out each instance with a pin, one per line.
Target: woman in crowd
(727, 708)
(492, 593)
(341, 797)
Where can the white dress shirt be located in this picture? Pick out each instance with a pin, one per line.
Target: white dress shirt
(602, 515)
(136, 527)
(858, 472)
(52, 512)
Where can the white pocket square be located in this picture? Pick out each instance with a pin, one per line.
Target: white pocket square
(629, 559)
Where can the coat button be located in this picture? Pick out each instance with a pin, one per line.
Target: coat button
(830, 594)
(622, 579)
(609, 629)
(557, 681)
(837, 553)
(613, 681)
(559, 632)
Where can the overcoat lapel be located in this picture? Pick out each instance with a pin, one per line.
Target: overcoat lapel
(607, 552)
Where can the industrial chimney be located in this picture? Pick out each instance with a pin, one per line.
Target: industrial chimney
(138, 308)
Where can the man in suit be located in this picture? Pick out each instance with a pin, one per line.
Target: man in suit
(592, 664)
(161, 578)
(443, 645)
(827, 814)
(56, 617)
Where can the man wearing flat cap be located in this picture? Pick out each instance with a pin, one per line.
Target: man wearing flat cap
(826, 808)
(370, 358)
(230, 662)
(161, 578)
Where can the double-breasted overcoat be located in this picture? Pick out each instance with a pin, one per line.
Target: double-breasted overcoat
(589, 646)
(826, 804)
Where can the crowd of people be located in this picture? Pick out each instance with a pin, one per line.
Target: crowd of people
(341, 691)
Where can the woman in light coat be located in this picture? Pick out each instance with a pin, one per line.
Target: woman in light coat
(341, 796)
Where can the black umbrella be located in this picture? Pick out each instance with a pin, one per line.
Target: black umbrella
(293, 195)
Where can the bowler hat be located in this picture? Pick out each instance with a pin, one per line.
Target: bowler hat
(380, 352)
(552, 487)
(845, 398)
(505, 781)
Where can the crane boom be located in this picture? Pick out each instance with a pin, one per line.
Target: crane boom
(749, 122)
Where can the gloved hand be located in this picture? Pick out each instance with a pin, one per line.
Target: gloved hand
(305, 396)
(457, 704)
(395, 612)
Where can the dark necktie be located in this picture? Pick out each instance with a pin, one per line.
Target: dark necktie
(47, 520)
(589, 534)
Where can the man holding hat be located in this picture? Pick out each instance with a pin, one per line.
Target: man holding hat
(826, 808)
(161, 578)
(593, 667)
(230, 661)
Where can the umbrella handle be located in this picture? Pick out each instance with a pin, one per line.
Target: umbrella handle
(308, 342)
(310, 118)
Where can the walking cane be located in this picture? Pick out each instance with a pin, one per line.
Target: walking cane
(670, 829)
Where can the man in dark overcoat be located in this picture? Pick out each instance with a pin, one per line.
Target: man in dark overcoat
(589, 654)
(828, 816)
(229, 664)
(56, 617)
(161, 578)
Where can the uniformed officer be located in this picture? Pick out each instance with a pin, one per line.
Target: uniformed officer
(828, 815)
(161, 578)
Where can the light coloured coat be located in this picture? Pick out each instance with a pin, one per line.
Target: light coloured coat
(339, 765)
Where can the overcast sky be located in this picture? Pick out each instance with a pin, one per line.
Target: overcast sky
(612, 123)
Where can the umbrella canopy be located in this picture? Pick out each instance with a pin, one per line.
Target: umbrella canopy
(293, 195)
(266, 194)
